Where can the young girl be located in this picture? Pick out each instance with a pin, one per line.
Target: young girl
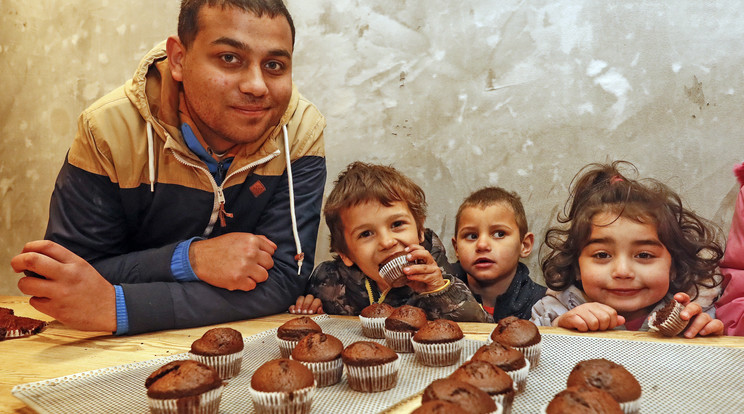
(630, 246)
(730, 308)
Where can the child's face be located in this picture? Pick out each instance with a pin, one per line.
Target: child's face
(373, 232)
(487, 242)
(624, 265)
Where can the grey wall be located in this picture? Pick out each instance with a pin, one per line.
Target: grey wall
(519, 94)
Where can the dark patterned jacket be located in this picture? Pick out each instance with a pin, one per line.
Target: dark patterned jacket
(343, 291)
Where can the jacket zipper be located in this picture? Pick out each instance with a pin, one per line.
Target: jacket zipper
(218, 208)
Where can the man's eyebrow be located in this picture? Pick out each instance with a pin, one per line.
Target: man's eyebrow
(237, 44)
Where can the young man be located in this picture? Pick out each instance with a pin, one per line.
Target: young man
(490, 237)
(374, 213)
(176, 205)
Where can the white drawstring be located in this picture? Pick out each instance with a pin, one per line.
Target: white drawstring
(300, 256)
(151, 155)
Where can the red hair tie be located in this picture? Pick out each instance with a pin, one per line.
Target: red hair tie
(616, 178)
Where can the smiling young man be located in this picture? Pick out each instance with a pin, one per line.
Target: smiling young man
(191, 195)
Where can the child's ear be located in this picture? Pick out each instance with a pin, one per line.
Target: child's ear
(454, 246)
(344, 258)
(527, 243)
(421, 236)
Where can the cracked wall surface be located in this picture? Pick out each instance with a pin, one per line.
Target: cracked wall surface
(457, 96)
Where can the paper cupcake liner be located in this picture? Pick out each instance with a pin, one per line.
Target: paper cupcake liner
(631, 407)
(499, 409)
(438, 355)
(504, 400)
(327, 372)
(399, 341)
(373, 327)
(393, 270)
(227, 365)
(673, 325)
(286, 347)
(205, 403)
(296, 402)
(373, 378)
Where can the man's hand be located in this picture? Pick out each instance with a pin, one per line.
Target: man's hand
(591, 316)
(234, 261)
(72, 291)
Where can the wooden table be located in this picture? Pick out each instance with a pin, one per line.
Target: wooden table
(60, 351)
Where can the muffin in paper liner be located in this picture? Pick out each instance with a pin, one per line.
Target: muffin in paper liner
(504, 400)
(438, 355)
(631, 407)
(205, 403)
(327, 372)
(399, 341)
(393, 270)
(285, 346)
(672, 325)
(519, 376)
(295, 402)
(373, 327)
(227, 365)
(373, 378)
(532, 352)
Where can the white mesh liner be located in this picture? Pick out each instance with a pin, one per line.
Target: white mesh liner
(674, 378)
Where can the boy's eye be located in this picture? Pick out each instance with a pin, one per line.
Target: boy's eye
(364, 234)
(470, 236)
(397, 223)
(499, 234)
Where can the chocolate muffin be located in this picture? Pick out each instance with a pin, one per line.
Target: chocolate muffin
(322, 354)
(220, 348)
(438, 343)
(401, 325)
(611, 377)
(282, 385)
(667, 320)
(370, 367)
(439, 407)
(372, 319)
(583, 400)
(506, 358)
(292, 331)
(520, 334)
(13, 326)
(467, 396)
(184, 386)
(391, 270)
(490, 378)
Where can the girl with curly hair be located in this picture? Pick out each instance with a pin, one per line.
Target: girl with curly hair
(627, 248)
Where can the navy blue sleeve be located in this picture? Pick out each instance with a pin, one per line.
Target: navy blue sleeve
(87, 217)
(156, 306)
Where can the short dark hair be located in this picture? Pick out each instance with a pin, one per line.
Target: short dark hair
(488, 196)
(361, 182)
(188, 22)
(692, 241)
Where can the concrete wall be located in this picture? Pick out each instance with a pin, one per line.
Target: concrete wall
(511, 93)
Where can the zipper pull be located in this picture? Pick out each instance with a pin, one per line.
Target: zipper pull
(222, 213)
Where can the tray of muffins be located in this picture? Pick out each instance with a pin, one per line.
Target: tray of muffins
(393, 360)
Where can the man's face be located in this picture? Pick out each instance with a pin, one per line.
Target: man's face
(236, 75)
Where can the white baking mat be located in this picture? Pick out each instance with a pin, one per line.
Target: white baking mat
(674, 378)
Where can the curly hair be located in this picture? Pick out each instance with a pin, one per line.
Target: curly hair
(692, 241)
(361, 182)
